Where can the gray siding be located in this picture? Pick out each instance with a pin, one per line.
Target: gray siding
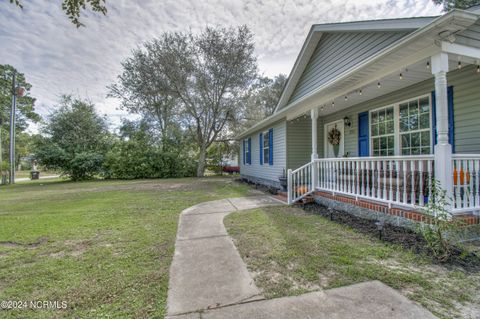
(337, 53)
(470, 36)
(299, 141)
(466, 92)
(266, 172)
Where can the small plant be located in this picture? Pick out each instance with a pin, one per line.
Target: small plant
(442, 232)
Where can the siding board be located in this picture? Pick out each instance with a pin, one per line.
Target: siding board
(470, 36)
(338, 52)
(269, 173)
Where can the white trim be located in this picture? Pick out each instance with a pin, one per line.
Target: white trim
(459, 49)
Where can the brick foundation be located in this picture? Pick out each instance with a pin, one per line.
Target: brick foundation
(393, 211)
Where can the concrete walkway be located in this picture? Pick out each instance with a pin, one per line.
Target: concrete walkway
(208, 278)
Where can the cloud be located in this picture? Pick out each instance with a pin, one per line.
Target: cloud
(59, 59)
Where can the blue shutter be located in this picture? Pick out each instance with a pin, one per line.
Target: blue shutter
(260, 143)
(451, 127)
(363, 135)
(270, 146)
(243, 153)
(249, 158)
(434, 120)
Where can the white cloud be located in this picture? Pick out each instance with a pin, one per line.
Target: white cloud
(57, 58)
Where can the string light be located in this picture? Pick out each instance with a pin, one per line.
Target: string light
(459, 65)
(379, 85)
(428, 65)
(401, 76)
(321, 108)
(333, 103)
(360, 92)
(346, 98)
(478, 68)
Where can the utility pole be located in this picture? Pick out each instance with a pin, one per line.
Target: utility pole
(12, 128)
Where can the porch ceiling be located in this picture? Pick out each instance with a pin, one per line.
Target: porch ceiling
(411, 74)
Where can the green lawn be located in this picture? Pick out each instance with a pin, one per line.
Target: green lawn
(105, 247)
(290, 252)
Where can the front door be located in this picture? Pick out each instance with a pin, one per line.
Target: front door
(334, 139)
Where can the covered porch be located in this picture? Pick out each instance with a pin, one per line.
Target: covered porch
(395, 117)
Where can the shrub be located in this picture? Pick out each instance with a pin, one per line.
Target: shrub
(442, 234)
(130, 160)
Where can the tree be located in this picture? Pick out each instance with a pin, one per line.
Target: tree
(25, 107)
(206, 75)
(456, 4)
(262, 99)
(73, 8)
(76, 140)
(141, 88)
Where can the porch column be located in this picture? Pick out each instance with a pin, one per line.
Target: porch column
(314, 156)
(314, 116)
(443, 149)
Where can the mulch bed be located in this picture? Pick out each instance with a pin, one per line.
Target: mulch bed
(408, 239)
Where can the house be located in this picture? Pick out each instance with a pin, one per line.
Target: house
(374, 111)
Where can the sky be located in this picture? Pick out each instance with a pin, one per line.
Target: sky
(57, 58)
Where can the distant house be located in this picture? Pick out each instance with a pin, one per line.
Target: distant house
(373, 110)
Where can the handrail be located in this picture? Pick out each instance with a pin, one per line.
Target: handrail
(377, 158)
(466, 156)
(301, 168)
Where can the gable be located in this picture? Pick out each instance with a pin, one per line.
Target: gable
(337, 52)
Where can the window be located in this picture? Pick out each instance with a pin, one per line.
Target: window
(383, 132)
(415, 127)
(266, 147)
(403, 128)
(247, 144)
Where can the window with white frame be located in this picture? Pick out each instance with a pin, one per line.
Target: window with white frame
(402, 129)
(383, 132)
(266, 147)
(246, 151)
(415, 129)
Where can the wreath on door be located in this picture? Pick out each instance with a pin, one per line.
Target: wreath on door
(334, 136)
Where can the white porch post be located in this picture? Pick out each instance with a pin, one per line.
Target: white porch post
(443, 149)
(314, 116)
(314, 156)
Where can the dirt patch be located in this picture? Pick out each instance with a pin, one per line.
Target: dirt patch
(408, 239)
(74, 248)
(13, 244)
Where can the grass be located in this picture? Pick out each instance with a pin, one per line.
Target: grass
(104, 247)
(301, 252)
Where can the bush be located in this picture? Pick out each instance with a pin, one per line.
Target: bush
(130, 160)
(442, 234)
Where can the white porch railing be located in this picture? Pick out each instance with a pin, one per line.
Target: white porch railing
(300, 182)
(466, 182)
(401, 180)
